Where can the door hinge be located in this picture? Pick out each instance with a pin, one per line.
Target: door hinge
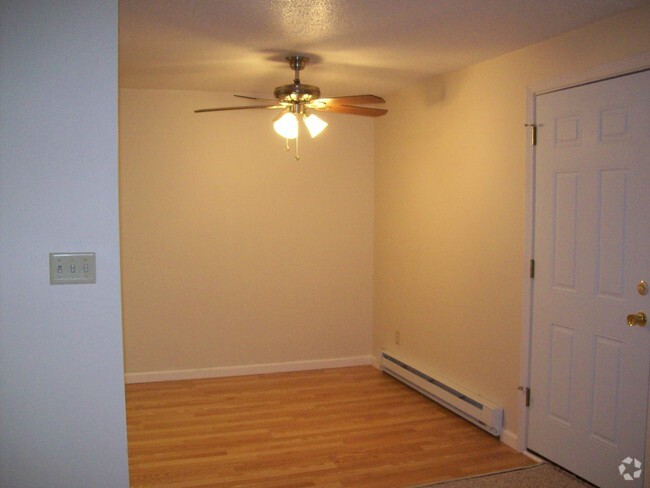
(532, 268)
(526, 390)
(533, 134)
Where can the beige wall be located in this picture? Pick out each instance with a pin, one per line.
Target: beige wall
(234, 253)
(450, 208)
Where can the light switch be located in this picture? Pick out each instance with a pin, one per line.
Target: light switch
(72, 268)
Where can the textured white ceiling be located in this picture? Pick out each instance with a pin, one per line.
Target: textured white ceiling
(356, 46)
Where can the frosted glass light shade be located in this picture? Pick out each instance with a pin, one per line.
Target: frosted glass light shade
(315, 125)
(287, 126)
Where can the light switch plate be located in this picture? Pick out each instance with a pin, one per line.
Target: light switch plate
(72, 268)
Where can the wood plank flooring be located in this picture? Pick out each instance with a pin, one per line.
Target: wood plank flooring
(347, 427)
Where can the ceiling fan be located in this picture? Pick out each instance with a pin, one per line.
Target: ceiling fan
(295, 99)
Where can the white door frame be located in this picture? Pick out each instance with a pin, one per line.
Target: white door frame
(599, 73)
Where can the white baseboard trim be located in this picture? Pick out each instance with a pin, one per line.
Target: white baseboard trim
(509, 438)
(225, 371)
(374, 361)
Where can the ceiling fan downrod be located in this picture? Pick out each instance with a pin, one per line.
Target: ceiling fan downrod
(297, 92)
(297, 63)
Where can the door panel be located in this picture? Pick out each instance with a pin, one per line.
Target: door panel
(589, 369)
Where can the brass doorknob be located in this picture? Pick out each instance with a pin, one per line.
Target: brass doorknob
(639, 319)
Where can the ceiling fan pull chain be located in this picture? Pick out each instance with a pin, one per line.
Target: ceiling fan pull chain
(286, 145)
(297, 149)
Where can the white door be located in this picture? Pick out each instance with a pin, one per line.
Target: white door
(589, 368)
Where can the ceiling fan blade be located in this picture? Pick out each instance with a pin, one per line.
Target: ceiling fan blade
(221, 109)
(351, 100)
(349, 109)
(258, 99)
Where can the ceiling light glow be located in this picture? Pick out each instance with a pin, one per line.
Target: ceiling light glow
(315, 125)
(286, 125)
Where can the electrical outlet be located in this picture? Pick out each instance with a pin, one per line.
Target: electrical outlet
(71, 268)
(397, 337)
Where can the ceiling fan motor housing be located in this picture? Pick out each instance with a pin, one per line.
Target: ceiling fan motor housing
(297, 92)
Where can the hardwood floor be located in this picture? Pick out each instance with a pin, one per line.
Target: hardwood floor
(347, 427)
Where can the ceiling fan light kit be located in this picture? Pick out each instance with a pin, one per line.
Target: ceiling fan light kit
(315, 125)
(294, 100)
(286, 125)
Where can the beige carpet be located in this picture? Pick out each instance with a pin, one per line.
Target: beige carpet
(538, 476)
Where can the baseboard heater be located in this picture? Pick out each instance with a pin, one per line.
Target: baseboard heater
(470, 406)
